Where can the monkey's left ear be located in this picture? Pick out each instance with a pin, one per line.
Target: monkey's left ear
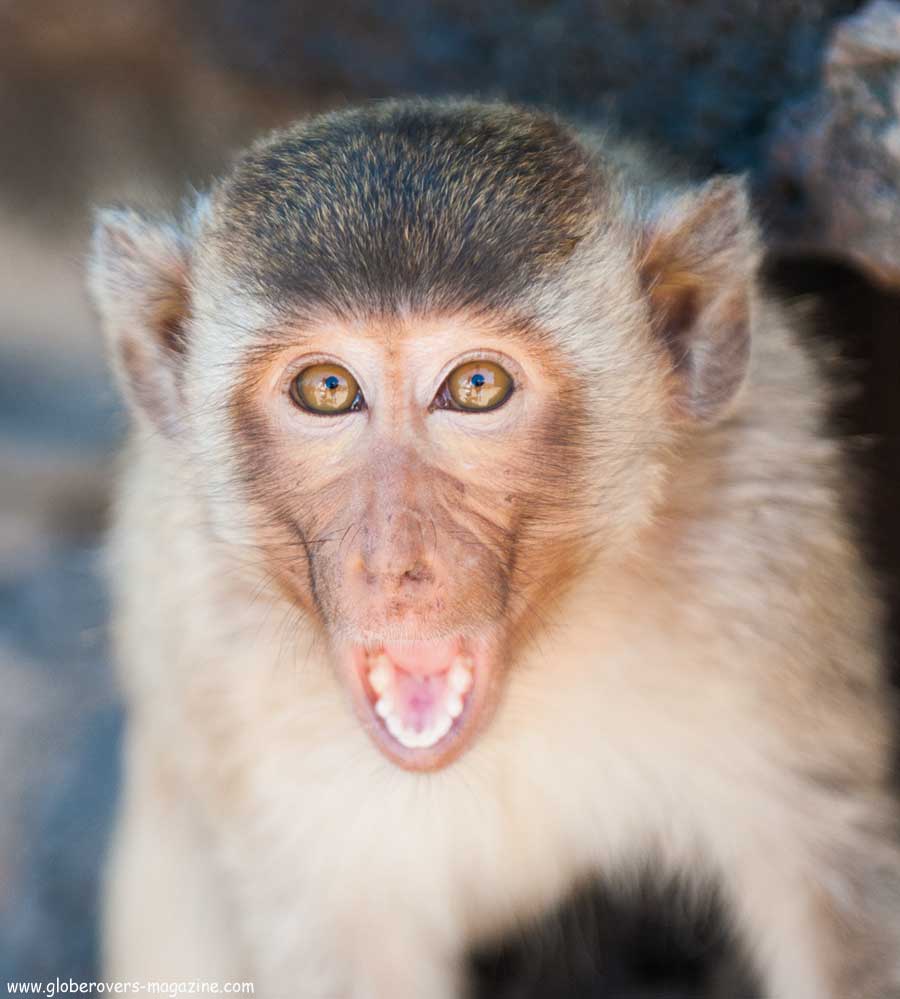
(698, 263)
(139, 280)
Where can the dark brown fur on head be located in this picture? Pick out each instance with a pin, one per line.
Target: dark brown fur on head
(420, 204)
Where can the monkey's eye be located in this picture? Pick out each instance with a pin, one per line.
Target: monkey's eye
(326, 388)
(476, 386)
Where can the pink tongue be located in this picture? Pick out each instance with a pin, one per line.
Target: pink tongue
(423, 658)
(417, 699)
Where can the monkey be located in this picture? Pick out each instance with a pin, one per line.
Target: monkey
(480, 531)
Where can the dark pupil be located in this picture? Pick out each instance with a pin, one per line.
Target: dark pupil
(477, 380)
(332, 382)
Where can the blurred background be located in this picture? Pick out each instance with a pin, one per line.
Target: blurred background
(138, 100)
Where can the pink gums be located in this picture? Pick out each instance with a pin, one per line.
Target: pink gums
(423, 658)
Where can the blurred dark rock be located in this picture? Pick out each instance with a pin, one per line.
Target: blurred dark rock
(833, 174)
(699, 76)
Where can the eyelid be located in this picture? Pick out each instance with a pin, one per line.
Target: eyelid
(293, 367)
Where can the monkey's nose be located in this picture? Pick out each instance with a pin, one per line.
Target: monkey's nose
(393, 575)
(394, 555)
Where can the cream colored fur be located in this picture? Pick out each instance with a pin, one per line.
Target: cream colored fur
(717, 705)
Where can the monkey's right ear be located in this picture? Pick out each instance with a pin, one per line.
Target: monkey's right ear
(699, 255)
(139, 280)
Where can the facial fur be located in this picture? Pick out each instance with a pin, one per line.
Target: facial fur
(617, 617)
(399, 244)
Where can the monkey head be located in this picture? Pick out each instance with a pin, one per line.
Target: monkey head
(431, 362)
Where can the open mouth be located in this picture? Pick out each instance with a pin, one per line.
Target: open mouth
(420, 697)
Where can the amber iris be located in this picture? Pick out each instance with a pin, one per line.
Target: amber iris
(326, 388)
(479, 385)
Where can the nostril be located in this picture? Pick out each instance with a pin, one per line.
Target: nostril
(414, 576)
(418, 574)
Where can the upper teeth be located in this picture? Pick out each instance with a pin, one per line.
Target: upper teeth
(381, 676)
(460, 677)
(459, 681)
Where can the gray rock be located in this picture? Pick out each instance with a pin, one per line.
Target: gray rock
(833, 177)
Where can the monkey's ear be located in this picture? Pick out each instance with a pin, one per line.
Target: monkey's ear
(698, 265)
(139, 280)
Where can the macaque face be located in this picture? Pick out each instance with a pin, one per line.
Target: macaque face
(430, 362)
(397, 463)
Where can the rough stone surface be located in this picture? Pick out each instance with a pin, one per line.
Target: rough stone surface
(834, 157)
